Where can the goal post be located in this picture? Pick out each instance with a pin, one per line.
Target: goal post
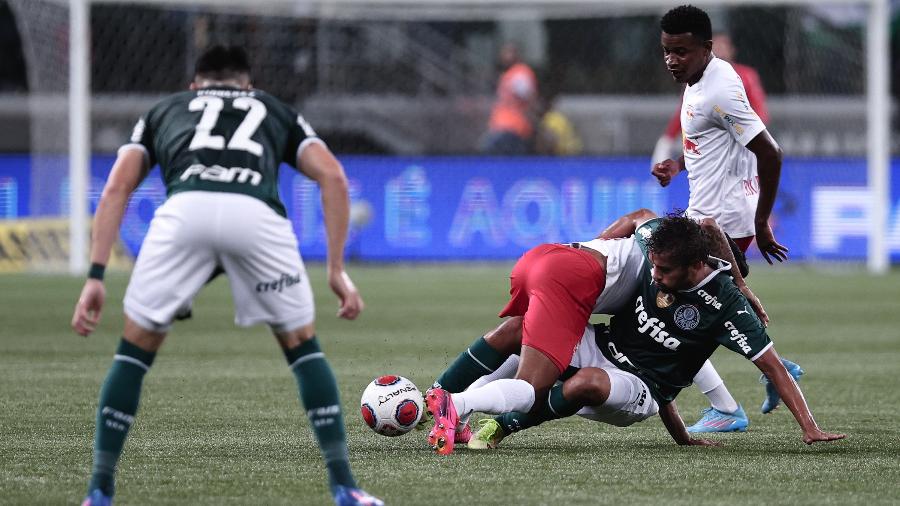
(876, 90)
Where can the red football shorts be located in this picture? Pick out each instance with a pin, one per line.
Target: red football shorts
(555, 287)
(743, 242)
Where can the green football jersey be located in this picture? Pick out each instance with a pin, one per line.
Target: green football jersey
(222, 139)
(664, 339)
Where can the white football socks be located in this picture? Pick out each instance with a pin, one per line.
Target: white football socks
(710, 383)
(495, 398)
(505, 371)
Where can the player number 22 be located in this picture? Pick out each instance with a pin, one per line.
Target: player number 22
(241, 140)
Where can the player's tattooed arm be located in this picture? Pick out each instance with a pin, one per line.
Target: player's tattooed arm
(675, 425)
(720, 248)
(625, 225)
(770, 365)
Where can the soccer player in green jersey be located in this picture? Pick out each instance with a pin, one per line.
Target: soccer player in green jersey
(219, 147)
(685, 306)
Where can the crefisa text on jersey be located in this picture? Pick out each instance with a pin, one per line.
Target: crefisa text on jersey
(655, 326)
(709, 299)
(738, 337)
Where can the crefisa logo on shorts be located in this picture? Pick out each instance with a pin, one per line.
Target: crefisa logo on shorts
(285, 281)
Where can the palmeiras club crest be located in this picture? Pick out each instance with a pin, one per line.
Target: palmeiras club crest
(687, 317)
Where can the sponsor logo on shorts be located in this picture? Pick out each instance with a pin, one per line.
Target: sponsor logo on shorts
(221, 174)
(710, 299)
(285, 281)
(739, 338)
(687, 317)
(654, 326)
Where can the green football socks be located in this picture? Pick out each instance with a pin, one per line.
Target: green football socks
(556, 407)
(321, 399)
(119, 399)
(479, 359)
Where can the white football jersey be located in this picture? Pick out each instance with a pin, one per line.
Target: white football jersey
(717, 122)
(623, 265)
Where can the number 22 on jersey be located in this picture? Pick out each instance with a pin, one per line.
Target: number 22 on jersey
(241, 139)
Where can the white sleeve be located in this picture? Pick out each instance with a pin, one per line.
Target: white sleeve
(733, 112)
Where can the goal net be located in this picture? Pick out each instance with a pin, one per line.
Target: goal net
(416, 79)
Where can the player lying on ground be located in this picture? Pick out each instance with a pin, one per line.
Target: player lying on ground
(685, 307)
(724, 413)
(558, 279)
(219, 147)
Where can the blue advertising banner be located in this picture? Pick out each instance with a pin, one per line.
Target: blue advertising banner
(444, 208)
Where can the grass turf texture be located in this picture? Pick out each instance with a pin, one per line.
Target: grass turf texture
(219, 421)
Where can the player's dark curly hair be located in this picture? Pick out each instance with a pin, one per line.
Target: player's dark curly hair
(220, 63)
(687, 19)
(681, 238)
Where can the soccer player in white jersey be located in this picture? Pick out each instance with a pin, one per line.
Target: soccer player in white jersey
(733, 167)
(219, 147)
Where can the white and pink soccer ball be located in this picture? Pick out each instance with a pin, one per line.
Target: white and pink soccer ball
(391, 405)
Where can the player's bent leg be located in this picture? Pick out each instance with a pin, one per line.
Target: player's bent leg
(724, 413)
(589, 386)
(628, 401)
(482, 357)
(507, 370)
(496, 397)
(321, 399)
(119, 400)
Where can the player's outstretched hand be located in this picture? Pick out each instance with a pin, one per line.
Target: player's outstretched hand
(755, 304)
(664, 171)
(89, 307)
(351, 301)
(767, 244)
(816, 435)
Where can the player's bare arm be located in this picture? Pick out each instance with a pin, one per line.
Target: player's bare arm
(675, 425)
(127, 173)
(625, 225)
(768, 160)
(770, 365)
(721, 249)
(665, 170)
(317, 163)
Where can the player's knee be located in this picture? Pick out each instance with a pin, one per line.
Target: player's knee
(590, 386)
(289, 339)
(507, 337)
(145, 339)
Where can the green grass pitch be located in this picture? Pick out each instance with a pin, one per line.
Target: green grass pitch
(220, 422)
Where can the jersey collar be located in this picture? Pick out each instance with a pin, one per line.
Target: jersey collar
(720, 266)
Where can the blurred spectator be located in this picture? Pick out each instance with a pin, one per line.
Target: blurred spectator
(511, 127)
(669, 144)
(556, 135)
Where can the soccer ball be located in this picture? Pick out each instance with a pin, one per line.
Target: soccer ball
(391, 405)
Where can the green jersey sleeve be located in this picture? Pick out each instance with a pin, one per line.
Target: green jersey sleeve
(644, 231)
(742, 331)
(300, 132)
(142, 135)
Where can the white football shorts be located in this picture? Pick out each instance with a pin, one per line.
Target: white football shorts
(192, 233)
(629, 399)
